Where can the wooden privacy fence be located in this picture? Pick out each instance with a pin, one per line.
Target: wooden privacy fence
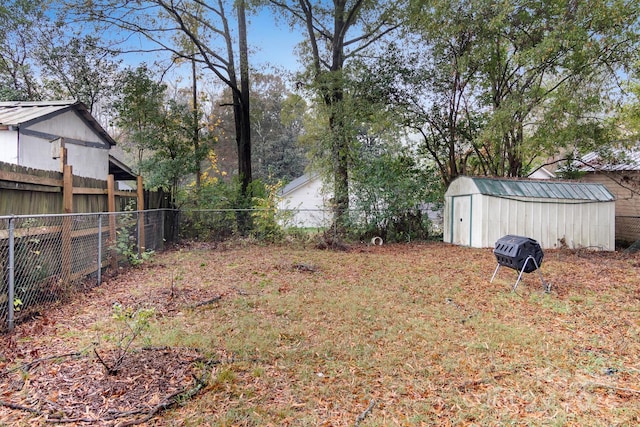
(27, 191)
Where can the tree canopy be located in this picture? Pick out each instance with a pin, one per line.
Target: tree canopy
(496, 86)
(459, 87)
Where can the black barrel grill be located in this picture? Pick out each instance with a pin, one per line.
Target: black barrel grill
(520, 253)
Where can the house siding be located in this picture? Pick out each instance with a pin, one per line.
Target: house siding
(627, 200)
(306, 202)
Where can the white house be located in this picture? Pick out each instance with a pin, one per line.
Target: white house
(308, 204)
(542, 173)
(33, 133)
(479, 211)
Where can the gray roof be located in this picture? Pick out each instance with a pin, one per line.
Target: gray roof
(17, 113)
(298, 182)
(543, 189)
(120, 171)
(627, 160)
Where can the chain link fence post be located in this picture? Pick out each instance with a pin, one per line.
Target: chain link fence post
(99, 273)
(10, 293)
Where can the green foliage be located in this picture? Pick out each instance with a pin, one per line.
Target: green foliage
(78, 67)
(276, 124)
(629, 114)
(18, 40)
(266, 224)
(338, 35)
(131, 323)
(495, 86)
(208, 213)
(391, 195)
(215, 216)
(31, 270)
(162, 131)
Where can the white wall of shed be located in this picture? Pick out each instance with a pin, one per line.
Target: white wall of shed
(68, 125)
(553, 223)
(9, 146)
(35, 152)
(87, 162)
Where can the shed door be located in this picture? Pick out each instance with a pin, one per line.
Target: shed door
(461, 221)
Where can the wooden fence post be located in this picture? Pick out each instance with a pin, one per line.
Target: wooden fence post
(67, 204)
(111, 202)
(141, 241)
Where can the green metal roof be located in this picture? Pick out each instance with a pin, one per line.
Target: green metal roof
(543, 189)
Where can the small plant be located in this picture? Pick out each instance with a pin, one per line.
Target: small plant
(132, 324)
(126, 242)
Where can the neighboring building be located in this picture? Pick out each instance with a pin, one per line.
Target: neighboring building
(33, 133)
(305, 200)
(622, 178)
(542, 173)
(479, 211)
(309, 203)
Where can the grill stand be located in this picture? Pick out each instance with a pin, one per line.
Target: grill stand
(547, 286)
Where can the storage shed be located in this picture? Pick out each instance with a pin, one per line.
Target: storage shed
(478, 211)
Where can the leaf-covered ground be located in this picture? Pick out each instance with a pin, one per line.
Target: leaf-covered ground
(403, 335)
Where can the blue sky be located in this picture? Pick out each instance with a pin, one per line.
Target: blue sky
(272, 43)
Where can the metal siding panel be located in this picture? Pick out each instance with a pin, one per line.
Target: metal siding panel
(446, 220)
(527, 214)
(569, 222)
(612, 226)
(496, 209)
(484, 209)
(547, 238)
(552, 230)
(579, 232)
(594, 230)
(521, 209)
(536, 218)
(505, 217)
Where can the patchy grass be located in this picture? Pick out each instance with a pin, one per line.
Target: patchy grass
(310, 338)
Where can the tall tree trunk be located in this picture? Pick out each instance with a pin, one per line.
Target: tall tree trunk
(340, 157)
(243, 122)
(340, 146)
(244, 141)
(196, 126)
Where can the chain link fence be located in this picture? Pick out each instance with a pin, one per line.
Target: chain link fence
(46, 258)
(627, 230)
